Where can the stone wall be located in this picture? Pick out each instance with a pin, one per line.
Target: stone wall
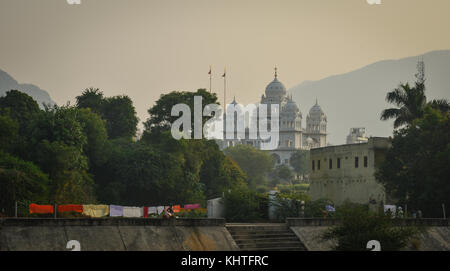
(435, 234)
(115, 234)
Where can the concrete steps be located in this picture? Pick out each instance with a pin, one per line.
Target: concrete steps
(264, 237)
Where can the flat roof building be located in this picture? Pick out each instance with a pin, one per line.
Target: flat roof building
(346, 172)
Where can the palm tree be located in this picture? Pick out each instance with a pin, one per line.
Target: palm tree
(410, 101)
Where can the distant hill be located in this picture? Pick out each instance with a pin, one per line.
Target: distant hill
(8, 83)
(356, 99)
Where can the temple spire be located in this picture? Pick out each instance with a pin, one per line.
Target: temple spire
(276, 72)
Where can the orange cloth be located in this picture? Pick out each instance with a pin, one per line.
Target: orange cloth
(70, 208)
(176, 208)
(41, 209)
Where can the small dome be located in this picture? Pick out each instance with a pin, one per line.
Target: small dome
(310, 140)
(291, 106)
(316, 109)
(275, 88)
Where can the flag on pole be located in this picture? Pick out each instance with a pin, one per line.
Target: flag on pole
(224, 73)
(210, 70)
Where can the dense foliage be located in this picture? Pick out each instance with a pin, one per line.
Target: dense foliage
(257, 164)
(243, 204)
(88, 153)
(416, 170)
(358, 225)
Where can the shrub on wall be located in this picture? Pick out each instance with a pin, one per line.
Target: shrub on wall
(245, 205)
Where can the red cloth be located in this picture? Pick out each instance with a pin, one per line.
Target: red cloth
(70, 208)
(41, 209)
(145, 212)
(176, 208)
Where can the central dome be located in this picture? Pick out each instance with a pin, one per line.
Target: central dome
(275, 88)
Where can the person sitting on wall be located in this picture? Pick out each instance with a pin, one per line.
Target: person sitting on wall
(168, 213)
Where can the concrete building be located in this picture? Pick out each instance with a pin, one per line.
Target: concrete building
(357, 135)
(292, 136)
(346, 172)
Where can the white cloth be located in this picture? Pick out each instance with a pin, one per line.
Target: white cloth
(152, 210)
(133, 212)
(391, 208)
(160, 209)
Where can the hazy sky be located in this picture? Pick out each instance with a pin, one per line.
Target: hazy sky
(143, 48)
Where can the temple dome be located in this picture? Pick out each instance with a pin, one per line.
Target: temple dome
(275, 88)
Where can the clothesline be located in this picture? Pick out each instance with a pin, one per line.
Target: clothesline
(93, 210)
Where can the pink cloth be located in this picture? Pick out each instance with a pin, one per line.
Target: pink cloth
(191, 206)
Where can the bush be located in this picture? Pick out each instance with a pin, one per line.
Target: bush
(287, 188)
(358, 226)
(289, 205)
(245, 205)
(316, 208)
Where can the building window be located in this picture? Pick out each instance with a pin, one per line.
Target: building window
(356, 162)
(339, 163)
(331, 163)
(318, 164)
(286, 161)
(313, 167)
(365, 161)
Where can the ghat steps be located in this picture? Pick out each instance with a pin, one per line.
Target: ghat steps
(264, 237)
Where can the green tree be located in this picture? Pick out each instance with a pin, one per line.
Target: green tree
(441, 105)
(96, 135)
(256, 164)
(411, 102)
(21, 181)
(300, 162)
(91, 98)
(284, 173)
(67, 168)
(140, 174)
(416, 170)
(59, 123)
(120, 116)
(218, 172)
(118, 111)
(8, 132)
(160, 113)
(23, 110)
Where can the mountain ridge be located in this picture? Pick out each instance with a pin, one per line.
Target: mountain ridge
(356, 98)
(7, 83)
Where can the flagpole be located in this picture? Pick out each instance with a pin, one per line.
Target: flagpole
(225, 89)
(210, 76)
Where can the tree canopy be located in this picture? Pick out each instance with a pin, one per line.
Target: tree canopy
(256, 164)
(416, 167)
